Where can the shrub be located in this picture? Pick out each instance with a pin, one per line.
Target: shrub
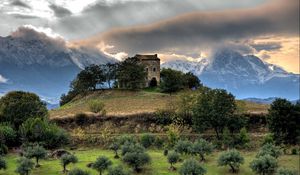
(2, 164)
(66, 159)
(24, 166)
(173, 135)
(264, 164)
(268, 139)
(7, 134)
(38, 152)
(147, 140)
(166, 152)
(136, 160)
(97, 106)
(159, 142)
(118, 170)
(269, 149)
(283, 171)
(191, 166)
(131, 147)
(183, 146)
(173, 158)
(121, 140)
(115, 147)
(164, 117)
(101, 164)
(243, 138)
(202, 148)
(227, 139)
(78, 171)
(232, 158)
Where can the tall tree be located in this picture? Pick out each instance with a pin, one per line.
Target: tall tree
(191, 81)
(171, 80)
(110, 71)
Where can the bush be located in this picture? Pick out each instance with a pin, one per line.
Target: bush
(269, 149)
(3, 149)
(66, 159)
(78, 171)
(268, 139)
(130, 147)
(283, 171)
(202, 148)
(115, 147)
(173, 158)
(166, 152)
(7, 135)
(232, 158)
(136, 160)
(164, 117)
(243, 138)
(101, 164)
(158, 143)
(97, 106)
(183, 147)
(38, 152)
(118, 170)
(24, 166)
(191, 166)
(121, 140)
(147, 140)
(264, 164)
(2, 164)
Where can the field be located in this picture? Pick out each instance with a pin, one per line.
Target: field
(122, 102)
(158, 166)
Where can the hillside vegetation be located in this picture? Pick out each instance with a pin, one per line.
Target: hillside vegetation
(125, 102)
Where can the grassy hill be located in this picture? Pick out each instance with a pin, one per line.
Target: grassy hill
(123, 102)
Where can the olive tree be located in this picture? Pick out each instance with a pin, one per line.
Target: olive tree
(264, 165)
(202, 148)
(101, 164)
(115, 147)
(283, 171)
(191, 166)
(269, 149)
(66, 159)
(38, 152)
(78, 171)
(24, 166)
(232, 158)
(183, 147)
(173, 158)
(136, 160)
(118, 170)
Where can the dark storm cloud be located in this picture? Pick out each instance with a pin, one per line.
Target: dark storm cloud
(60, 11)
(267, 46)
(202, 29)
(19, 16)
(20, 4)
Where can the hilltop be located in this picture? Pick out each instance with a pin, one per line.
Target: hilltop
(125, 102)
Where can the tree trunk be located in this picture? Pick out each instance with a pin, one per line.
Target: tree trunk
(64, 169)
(217, 133)
(232, 168)
(202, 158)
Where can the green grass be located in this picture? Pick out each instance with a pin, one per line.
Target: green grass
(158, 166)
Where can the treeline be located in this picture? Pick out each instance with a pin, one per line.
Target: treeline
(127, 74)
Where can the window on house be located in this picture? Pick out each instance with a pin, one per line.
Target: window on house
(154, 69)
(147, 69)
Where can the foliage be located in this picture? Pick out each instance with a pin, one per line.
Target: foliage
(264, 165)
(159, 142)
(17, 106)
(66, 159)
(213, 109)
(227, 139)
(283, 171)
(232, 158)
(24, 166)
(2, 163)
(118, 170)
(115, 147)
(284, 121)
(3, 149)
(40, 130)
(171, 80)
(191, 166)
(101, 164)
(109, 70)
(184, 108)
(173, 157)
(269, 139)
(78, 171)
(131, 147)
(97, 106)
(147, 140)
(136, 159)
(236, 123)
(183, 147)
(191, 81)
(131, 74)
(243, 138)
(173, 135)
(8, 135)
(36, 151)
(202, 148)
(164, 117)
(269, 149)
(121, 140)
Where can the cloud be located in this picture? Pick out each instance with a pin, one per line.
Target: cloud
(266, 46)
(60, 11)
(3, 79)
(202, 30)
(20, 3)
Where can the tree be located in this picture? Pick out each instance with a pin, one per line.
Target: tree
(284, 121)
(129, 147)
(171, 80)
(17, 106)
(191, 166)
(269, 149)
(38, 152)
(8, 135)
(183, 147)
(66, 159)
(232, 158)
(283, 171)
(136, 160)
(115, 147)
(191, 81)
(24, 166)
(147, 140)
(173, 158)
(213, 109)
(264, 165)
(2, 164)
(202, 148)
(131, 74)
(101, 164)
(78, 171)
(110, 71)
(243, 138)
(118, 170)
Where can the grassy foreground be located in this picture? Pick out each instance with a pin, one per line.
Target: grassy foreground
(158, 166)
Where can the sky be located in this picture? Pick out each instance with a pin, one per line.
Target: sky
(175, 29)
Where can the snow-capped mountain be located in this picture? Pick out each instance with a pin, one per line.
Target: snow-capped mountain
(32, 61)
(244, 76)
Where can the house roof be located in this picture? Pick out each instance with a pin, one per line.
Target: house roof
(147, 57)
